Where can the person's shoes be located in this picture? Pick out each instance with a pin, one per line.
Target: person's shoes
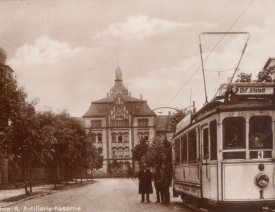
(156, 201)
(142, 201)
(148, 201)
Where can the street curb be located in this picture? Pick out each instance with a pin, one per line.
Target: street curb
(47, 193)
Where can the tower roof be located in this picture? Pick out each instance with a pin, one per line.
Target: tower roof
(118, 86)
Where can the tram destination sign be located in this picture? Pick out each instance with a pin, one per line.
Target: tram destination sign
(184, 122)
(249, 90)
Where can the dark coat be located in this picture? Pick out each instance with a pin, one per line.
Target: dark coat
(145, 182)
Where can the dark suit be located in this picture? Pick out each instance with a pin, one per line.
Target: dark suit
(157, 182)
(166, 179)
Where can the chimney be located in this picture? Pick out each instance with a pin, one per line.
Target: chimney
(107, 94)
(169, 113)
(194, 107)
(129, 93)
(141, 96)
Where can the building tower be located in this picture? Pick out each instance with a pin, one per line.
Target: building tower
(116, 123)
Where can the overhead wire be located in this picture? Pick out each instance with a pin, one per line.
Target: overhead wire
(211, 51)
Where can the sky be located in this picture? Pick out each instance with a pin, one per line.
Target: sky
(65, 52)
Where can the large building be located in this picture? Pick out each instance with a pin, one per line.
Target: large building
(5, 72)
(115, 124)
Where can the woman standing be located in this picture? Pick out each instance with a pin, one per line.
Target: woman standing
(145, 183)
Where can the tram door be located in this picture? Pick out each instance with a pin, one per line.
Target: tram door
(206, 184)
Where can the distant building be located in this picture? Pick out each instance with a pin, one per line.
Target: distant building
(5, 72)
(163, 127)
(271, 63)
(115, 124)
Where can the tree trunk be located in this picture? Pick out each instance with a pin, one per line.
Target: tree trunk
(30, 174)
(55, 175)
(75, 177)
(24, 175)
(67, 177)
(81, 175)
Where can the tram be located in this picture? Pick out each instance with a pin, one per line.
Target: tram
(224, 154)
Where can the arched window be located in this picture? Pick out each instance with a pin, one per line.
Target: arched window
(119, 137)
(140, 135)
(114, 137)
(146, 136)
(114, 151)
(126, 137)
(120, 152)
(99, 150)
(99, 137)
(126, 151)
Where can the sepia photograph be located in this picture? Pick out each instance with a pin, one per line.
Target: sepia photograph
(137, 105)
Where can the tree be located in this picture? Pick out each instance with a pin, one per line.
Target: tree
(159, 152)
(243, 77)
(140, 150)
(265, 74)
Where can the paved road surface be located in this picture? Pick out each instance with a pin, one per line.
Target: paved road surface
(104, 195)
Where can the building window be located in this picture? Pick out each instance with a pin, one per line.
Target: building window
(143, 122)
(126, 151)
(95, 123)
(120, 152)
(99, 138)
(99, 150)
(146, 136)
(126, 137)
(119, 137)
(114, 151)
(113, 137)
(92, 137)
(120, 123)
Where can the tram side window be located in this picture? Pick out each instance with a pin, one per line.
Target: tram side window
(177, 151)
(260, 132)
(205, 144)
(184, 149)
(213, 140)
(234, 133)
(192, 146)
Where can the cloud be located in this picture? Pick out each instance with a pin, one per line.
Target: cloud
(44, 50)
(142, 26)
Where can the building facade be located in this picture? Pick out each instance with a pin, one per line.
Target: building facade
(115, 124)
(5, 73)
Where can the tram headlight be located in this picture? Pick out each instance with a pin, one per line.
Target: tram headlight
(261, 180)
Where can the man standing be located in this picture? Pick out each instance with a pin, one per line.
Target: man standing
(166, 179)
(157, 182)
(145, 183)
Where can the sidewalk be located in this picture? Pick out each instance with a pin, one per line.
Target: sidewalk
(9, 197)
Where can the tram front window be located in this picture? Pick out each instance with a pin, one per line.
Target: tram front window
(234, 133)
(260, 132)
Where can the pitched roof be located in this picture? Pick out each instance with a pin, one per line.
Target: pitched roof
(98, 108)
(124, 97)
